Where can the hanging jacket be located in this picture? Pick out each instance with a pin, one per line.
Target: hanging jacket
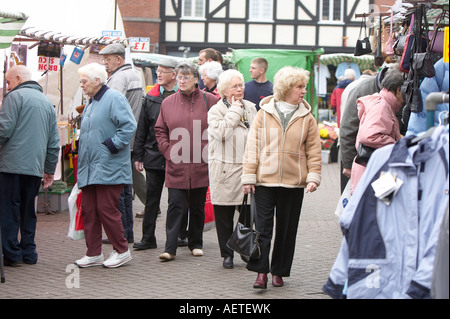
(439, 83)
(181, 132)
(388, 251)
(29, 139)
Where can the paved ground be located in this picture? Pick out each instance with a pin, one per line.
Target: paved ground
(187, 277)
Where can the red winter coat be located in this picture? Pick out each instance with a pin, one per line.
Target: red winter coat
(182, 134)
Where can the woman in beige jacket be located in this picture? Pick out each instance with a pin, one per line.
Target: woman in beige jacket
(228, 125)
(282, 158)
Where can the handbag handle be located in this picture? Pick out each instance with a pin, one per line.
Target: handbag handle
(244, 207)
(363, 24)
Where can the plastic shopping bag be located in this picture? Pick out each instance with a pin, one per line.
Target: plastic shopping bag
(209, 213)
(76, 229)
(343, 201)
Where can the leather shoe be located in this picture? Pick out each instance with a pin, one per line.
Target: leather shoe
(228, 262)
(142, 245)
(261, 281)
(277, 281)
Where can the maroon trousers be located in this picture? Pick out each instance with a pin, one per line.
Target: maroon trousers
(99, 206)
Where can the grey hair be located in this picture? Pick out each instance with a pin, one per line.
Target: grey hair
(225, 80)
(94, 71)
(213, 69)
(393, 79)
(187, 67)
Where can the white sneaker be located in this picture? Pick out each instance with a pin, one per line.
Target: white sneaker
(115, 259)
(87, 261)
(197, 252)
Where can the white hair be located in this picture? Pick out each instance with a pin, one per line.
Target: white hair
(213, 69)
(226, 78)
(94, 71)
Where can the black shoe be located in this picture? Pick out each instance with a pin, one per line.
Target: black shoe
(182, 242)
(142, 245)
(228, 262)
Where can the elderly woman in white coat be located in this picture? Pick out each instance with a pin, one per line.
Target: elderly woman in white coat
(228, 126)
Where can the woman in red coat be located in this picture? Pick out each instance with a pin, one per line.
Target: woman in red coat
(181, 132)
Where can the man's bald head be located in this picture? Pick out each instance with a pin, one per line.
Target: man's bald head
(17, 75)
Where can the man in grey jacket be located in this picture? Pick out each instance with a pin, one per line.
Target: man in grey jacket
(123, 78)
(29, 149)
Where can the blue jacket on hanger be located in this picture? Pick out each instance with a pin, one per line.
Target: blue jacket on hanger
(388, 251)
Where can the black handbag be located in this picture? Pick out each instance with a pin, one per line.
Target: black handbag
(245, 240)
(363, 46)
(363, 154)
(422, 62)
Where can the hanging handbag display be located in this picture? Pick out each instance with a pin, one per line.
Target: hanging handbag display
(422, 62)
(245, 240)
(363, 45)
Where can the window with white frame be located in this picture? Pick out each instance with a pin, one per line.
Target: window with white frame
(261, 10)
(331, 10)
(193, 9)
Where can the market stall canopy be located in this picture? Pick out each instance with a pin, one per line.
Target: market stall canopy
(83, 23)
(10, 25)
(364, 62)
(150, 59)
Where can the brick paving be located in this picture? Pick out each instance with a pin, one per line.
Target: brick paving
(187, 277)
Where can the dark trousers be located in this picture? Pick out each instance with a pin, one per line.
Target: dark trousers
(224, 218)
(18, 213)
(99, 207)
(126, 209)
(155, 184)
(287, 202)
(180, 200)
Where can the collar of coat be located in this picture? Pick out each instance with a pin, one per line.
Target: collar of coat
(98, 96)
(268, 104)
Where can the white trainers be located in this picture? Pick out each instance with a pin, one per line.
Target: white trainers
(87, 261)
(197, 252)
(115, 259)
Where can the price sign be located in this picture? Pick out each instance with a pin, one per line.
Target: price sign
(111, 35)
(48, 64)
(140, 44)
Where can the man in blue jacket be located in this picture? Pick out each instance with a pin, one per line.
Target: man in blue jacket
(29, 148)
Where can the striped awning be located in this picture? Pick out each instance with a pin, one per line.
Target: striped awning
(10, 25)
(364, 62)
(58, 37)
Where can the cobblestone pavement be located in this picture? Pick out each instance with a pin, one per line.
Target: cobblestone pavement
(187, 277)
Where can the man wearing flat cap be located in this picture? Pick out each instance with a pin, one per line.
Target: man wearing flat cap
(146, 152)
(123, 78)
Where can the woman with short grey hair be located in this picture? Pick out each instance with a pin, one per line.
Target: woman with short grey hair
(228, 126)
(107, 127)
(180, 132)
(210, 72)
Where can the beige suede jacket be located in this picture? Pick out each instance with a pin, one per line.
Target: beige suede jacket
(282, 158)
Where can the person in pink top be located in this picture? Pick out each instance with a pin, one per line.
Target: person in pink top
(378, 125)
